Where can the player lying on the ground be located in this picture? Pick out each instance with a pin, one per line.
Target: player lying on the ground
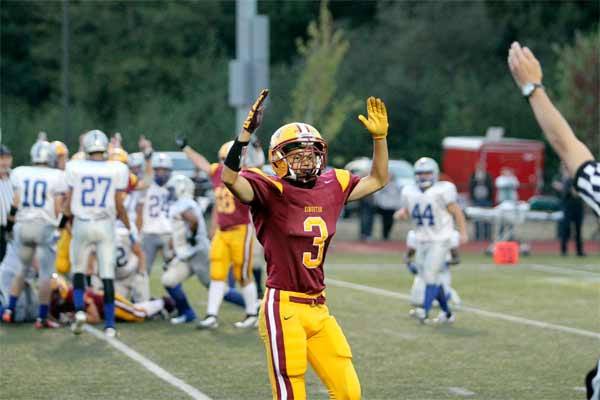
(62, 305)
(432, 206)
(39, 190)
(417, 292)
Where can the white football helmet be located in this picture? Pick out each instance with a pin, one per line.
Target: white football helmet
(426, 165)
(95, 142)
(162, 160)
(42, 152)
(180, 187)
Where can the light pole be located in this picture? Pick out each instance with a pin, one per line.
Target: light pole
(65, 72)
(249, 72)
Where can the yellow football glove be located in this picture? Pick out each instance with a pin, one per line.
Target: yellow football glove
(254, 117)
(377, 123)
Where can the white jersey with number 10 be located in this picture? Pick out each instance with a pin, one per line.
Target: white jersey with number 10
(94, 184)
(37, 186)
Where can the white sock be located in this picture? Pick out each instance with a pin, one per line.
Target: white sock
(151, 307)
(249, 295)
(216, 291)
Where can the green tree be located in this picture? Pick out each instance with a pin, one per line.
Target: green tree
(579, 85)
(316, 99)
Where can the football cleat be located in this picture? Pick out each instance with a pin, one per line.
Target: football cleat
(184, 318)
(418, 313)
(7, 316)
(110, 332)
(251, 321)
(443, 318)
(46, 324)
(77, 325)
(455, 257)
(210, 322)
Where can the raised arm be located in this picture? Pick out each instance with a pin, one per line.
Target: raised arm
(238, 185)
(198, 159)
(526, 70)
(377, 125)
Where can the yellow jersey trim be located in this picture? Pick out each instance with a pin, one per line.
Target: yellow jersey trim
(343, 178)
(258, 171)
(213, 168)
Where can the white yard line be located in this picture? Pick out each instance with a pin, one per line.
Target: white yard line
(564, 271)
(149, 365)
(489, 314)
(460, 391)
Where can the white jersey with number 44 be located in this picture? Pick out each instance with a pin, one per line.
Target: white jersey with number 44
(94, 184)
(428, 210)
(37, 186)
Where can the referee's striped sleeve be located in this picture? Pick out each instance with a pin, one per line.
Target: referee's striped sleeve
(587, 183)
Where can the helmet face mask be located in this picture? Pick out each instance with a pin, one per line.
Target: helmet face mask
(162, 166)
(180, 187)
(298, 152)
(426, 172)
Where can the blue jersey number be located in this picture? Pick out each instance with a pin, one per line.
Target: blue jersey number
(121, 257)
(35, 193)
(158, 204)
(89, 194)
(427, 214)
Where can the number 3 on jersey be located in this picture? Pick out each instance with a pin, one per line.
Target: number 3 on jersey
(319, 241)
(427, 214)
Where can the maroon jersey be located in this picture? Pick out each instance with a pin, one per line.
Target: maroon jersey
(58, 305)
(295, 226)
(230, 211)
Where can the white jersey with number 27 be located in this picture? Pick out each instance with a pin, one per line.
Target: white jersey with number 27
(428, 210)
(94, 184)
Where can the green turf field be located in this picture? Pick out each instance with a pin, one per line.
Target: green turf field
(480, 357)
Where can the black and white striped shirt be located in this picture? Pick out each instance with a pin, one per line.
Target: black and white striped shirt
(587, 183)
(6, 199)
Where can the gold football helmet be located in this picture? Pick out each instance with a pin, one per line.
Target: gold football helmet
(298, 152)
(118, 154)
(60, 149)
(59, 284)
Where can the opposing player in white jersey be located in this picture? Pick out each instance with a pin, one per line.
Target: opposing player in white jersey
(97, 190)
(191, 245)
(153, 212)
(39, 191)
(417, 291)
(432, 205)
(131, 279)
(27, 305)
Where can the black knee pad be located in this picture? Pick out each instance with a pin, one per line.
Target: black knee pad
(79, 281)
(109, 290)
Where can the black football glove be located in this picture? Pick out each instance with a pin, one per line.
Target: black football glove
(181, 142)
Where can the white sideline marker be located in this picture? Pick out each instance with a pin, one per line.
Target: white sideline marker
(490, 314)
(149, 365)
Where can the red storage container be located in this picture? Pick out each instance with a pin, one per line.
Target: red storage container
(525, 157)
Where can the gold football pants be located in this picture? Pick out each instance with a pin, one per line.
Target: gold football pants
(232, 247)
(297, 330)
